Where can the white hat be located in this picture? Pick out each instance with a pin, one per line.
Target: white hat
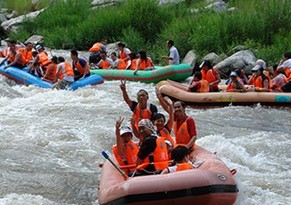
(169, 143)
(256, 68)
(125, 129)
(261, 63)
(233, 74)
(38, 47)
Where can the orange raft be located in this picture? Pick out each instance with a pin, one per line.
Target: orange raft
(177, 91)
(212, 183)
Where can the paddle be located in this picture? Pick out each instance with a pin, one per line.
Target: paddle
(118, 169)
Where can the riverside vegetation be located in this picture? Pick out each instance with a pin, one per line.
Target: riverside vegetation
(263, 26)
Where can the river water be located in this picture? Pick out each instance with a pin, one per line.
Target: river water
(51, 141)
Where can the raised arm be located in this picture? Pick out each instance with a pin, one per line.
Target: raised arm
(119, 142)
(124, 93)
(162, 101)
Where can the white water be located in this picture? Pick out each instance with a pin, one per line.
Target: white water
(51, 141)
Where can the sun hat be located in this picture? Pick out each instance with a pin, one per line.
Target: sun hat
(256, 68)
(261, 63)
(147, 124)
(125, 129)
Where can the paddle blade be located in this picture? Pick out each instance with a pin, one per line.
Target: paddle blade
(104, 153)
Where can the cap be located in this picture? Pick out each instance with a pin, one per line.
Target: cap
(169, 143)
(261, 63)
(37, 47)
(125, 129)
(256, 68)
(147, 124)
(233, 74)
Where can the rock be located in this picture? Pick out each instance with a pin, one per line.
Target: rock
(99, 3)
(11, 25)
(190, 58)
(217, 6)
(2, 18)
(213, 58)
(242, 59)
(35, 39)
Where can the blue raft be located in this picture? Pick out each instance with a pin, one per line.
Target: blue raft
(25, 78)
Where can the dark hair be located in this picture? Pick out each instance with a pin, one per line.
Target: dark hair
(287, 55)
(182, 103)
(61, 59)
(171, 42)
(120, 44)
(179, 153)
(104, 52)
(132, 55)
(54, 59)
(198, 75)
(142, 55)
(207, 63)
(28, 43)
(113, 53)
(74, 52)
(158, 116)
(142, 90)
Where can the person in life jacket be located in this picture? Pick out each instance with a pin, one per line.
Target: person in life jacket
(95, 50)
(164, 128)
(125, 150)
(181, 161)
(141, 109)
(64, 74)
(279, 80)
(210, 74)
(26, 53)
(259, 80)
(105, 62)
(285, 66)
(50, 73)
(117, 63)
(235, 84)
(152, 156)
(143, 62)
(184, 126)
(198, 84)
(13, 58)
(80, 66)
(131, 63)
(42, 58)
(123, 51)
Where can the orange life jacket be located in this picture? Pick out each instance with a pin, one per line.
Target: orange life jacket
(160, 155)
(123, 55)
(68, 69)
(202, 86)
(25, 55)
(121, 64)
(145, 64)
(139, 114)
(80, 68)
(53, 70)
(166, 135)
(95, 47)
(288, 73)
(133, 64)
(258, 82)
(43, 59)
(6, 52)
(131, 154)
(184, 166)
(11, 57)
(182, 135)
(104, 64)
(210, 76)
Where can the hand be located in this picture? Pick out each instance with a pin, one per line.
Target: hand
(134, 73)
(5, 67)
(123, 85)
(119, 122)
(158, 93)
(168, 100)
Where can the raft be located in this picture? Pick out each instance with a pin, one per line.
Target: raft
(25, 78)
(212, 183)
(173, 72)
(177, 91)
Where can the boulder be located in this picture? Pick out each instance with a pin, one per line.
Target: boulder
(190, 58)
(11, 25)
(35, 39)
(218, 6)
(242, 59)
(213, 58)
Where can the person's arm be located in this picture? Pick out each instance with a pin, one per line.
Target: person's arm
(4, 60)
(162, 101)
(192, 131)
(137, 66)
(16, 59)
(265, 87)
(242, 86)
(217, 77)
(124, 93)
(48, 70)
(84, 64)
(134, 129)
(59, 67)
(119, 143)
(170, 121)
(128, 64)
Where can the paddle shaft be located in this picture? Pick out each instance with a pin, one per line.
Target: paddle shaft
(118, 169)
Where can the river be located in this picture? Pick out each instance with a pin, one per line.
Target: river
(51, 142)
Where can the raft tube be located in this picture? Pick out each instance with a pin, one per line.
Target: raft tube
(177, 91)
(173, 72)
(209, 184)
(25, 78)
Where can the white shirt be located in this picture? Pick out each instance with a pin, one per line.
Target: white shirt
(175, 55)
(286, 64)
(61, 67)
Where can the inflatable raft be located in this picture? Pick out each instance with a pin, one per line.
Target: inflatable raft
(25, 78)
(173, 72)
(212, 183)
(177, 91)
